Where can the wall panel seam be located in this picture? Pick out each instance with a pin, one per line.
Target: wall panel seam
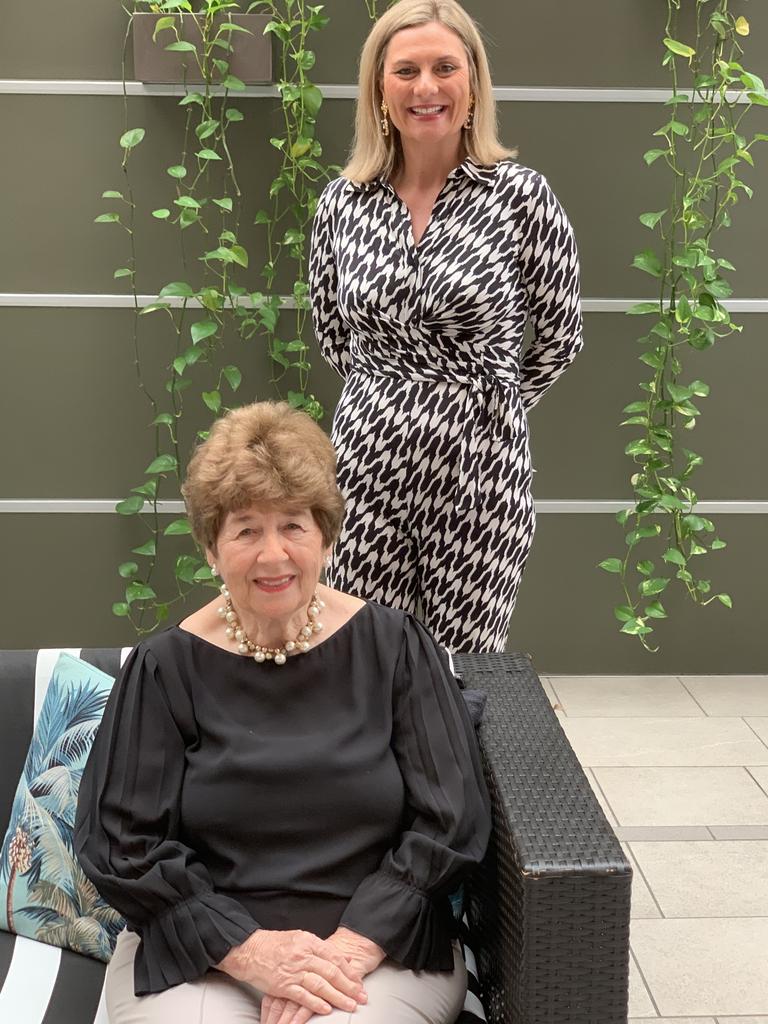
(545, 506)
(77, 300)
(337, 91)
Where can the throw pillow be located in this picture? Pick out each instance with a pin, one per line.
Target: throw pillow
(44, 894)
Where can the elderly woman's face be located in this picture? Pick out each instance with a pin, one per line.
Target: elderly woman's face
(270, 559)
(425, 83)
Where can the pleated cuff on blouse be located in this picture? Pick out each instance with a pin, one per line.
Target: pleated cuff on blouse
(181, 944)
(412, 928)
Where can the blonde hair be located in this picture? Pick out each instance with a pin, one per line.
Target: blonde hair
(375, 155)
(262, 454)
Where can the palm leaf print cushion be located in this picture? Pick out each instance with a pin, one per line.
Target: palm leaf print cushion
(43, 891)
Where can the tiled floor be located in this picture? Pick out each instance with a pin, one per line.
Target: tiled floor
(680, 767)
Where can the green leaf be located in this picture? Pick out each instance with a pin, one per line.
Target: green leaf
(187, 202)
(179, 365)
(206, 128)
(232, 114)
(177, 289)
(161, 214)
(312, 99)
(177, 171)
(653, 586)
(674, 556)
(655, 610)
(651, 219)
(653, 154)
(161, 25)
(132, 138)
(121, 609)
(233, 83)
(224, 204)
(122, 272)
(208, 154)
(635, 627)
(182, 46)
(611, 565)
(111, 195)
(107, 218)
(232, 376)
(239, 255)
(203, 329)
(130, 506)
(177, 528)
(649, 262)
(717, 544)
(639, 447)
(623, 515)
(213, 400)
(162, 464)
(725, 599)
(192, 97)
(699, 388)
(623, 612)
(262, 217)
(645, 568)
(128, 569)
(149, 550)
(137, 591)
(681, 49)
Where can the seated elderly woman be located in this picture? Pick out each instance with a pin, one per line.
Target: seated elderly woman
(286, 787)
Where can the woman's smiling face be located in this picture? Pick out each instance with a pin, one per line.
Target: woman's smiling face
(270, 559)
(426, 83)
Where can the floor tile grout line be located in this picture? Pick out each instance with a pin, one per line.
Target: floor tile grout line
(667, 767)
(760, 738)
(680, 680)
(644, 980)
(637, 864)
(602, 793)
(754, 778)
(557, 696)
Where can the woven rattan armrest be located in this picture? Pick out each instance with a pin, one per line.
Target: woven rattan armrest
(549, 910)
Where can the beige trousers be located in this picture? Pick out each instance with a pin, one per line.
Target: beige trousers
(395, 996)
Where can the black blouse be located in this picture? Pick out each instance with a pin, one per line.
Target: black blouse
(343, 787)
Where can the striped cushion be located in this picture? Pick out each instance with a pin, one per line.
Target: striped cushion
(41, 984)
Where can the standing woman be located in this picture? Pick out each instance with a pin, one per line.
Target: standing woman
(429, 255)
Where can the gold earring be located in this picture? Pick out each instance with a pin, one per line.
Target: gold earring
(384, 121)
(470, 116)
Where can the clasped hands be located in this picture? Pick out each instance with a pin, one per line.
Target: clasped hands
(302, 975)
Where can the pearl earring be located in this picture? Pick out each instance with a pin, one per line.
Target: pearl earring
(214, 570)
(384, 121)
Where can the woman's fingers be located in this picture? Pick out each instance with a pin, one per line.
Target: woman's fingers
(272, 1009)
(294, 1014)
(344, 979)
(328, 951)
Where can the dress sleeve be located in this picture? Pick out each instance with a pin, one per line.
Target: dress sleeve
(127, 836)
(330, 330)
(550, 272)
(404, 905)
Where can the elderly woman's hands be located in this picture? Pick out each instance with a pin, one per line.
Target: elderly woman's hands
(297, 966)
(362, 954)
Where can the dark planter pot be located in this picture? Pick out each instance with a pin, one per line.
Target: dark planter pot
(250, 59)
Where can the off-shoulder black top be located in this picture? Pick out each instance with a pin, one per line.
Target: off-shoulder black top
(343, 787)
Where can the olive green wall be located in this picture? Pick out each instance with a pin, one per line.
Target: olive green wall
(74, 423)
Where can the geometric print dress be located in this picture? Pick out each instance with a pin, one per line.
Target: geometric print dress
(431, 429)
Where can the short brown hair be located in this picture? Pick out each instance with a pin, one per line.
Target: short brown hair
(266, 453)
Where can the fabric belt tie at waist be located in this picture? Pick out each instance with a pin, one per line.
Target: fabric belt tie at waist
(486, 399)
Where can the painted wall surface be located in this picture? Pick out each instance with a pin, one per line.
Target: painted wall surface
(75, 426)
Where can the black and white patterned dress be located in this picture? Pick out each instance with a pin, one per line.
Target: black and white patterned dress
(431, 429)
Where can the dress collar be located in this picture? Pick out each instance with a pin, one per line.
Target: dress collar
(486, 175)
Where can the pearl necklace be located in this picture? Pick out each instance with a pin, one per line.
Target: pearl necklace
(236, 633)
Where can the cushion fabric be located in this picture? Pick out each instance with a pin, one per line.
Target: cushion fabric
(44, 894)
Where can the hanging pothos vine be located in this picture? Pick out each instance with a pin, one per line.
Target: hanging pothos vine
(204, 207)
(704, 147)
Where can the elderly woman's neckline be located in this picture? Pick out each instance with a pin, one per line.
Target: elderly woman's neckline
(219, 642)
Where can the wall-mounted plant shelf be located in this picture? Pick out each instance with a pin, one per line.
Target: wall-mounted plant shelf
(250, 59)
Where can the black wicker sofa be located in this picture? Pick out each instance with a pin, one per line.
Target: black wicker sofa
(548, 913)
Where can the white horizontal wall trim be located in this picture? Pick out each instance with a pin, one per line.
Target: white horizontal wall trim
(332, 91)
(545, 505)
(84, 301)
